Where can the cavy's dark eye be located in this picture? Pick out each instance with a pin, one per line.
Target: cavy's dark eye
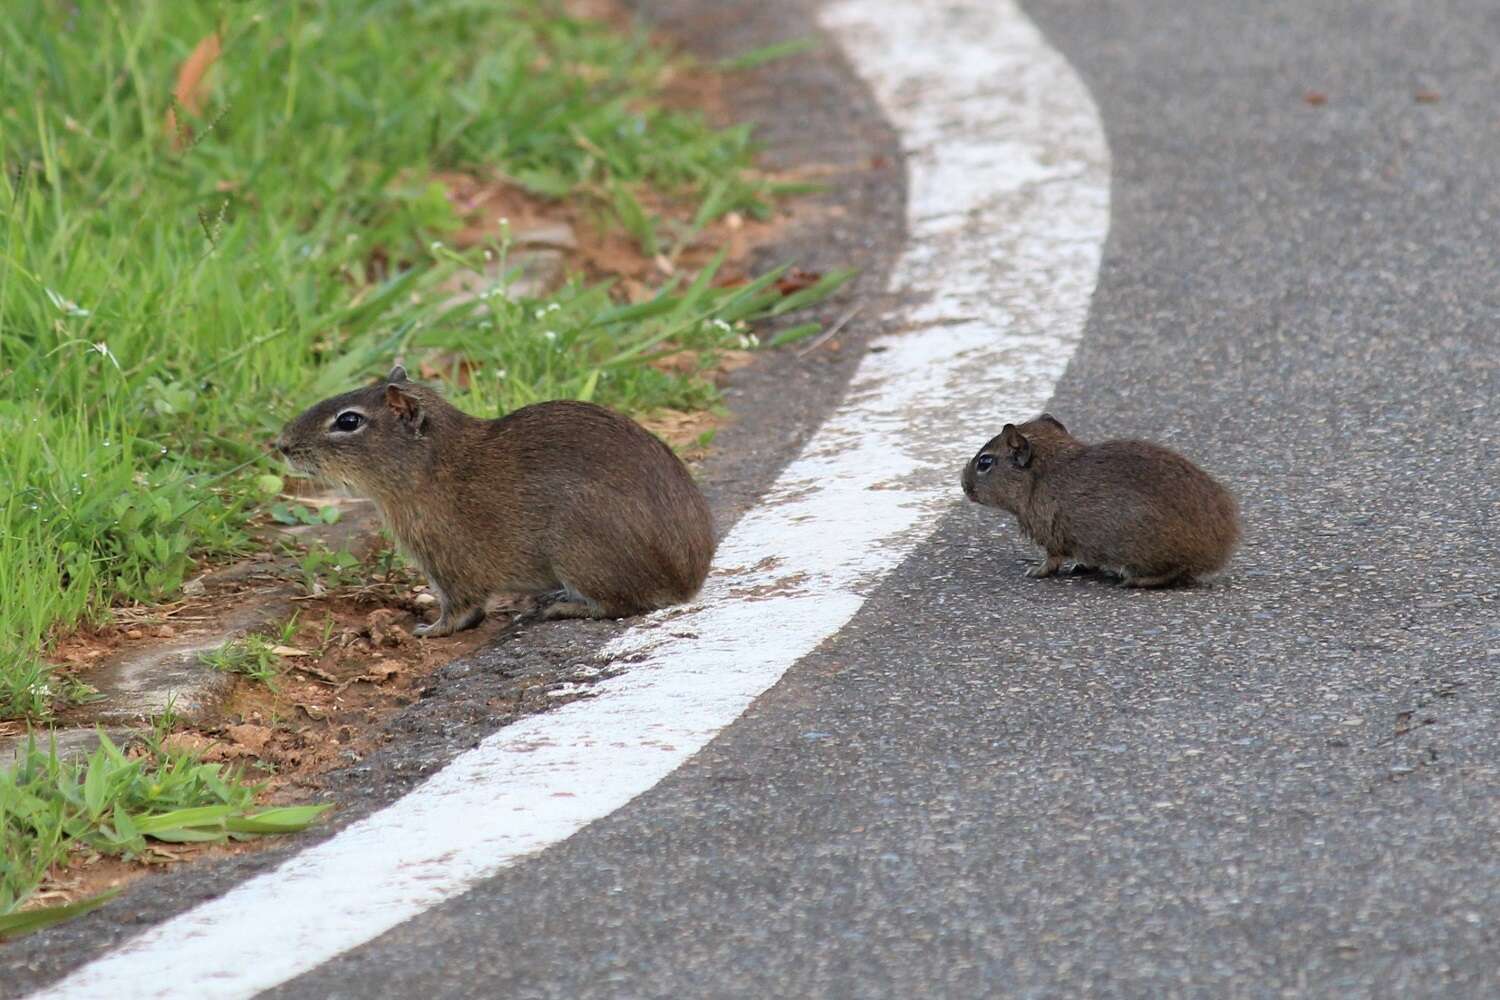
(984, 462)
(349, 420)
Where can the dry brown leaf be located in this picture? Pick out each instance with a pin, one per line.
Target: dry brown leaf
(383, 671)
(189, 89)
(189, 743)
(795, 280)
(448, 365)
(383, 628)
(251, 736)
(316, 673)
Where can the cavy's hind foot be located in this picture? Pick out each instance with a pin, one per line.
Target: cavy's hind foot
(448, 623)
(1048, 568)
(568, 603)
(572, 609)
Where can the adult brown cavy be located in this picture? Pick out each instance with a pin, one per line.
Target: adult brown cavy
(1127, 507)
(561, 497)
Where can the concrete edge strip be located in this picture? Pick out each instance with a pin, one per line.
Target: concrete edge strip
(1008, 209)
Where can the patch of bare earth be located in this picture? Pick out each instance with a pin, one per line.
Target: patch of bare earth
(348, 662)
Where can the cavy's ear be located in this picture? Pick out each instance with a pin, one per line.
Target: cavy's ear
(1014, 442)
(1053, 421)
(397, 375)
(405, 405)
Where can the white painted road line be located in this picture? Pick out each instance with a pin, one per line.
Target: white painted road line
(1009, 205)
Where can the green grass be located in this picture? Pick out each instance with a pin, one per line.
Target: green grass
(115, 805)
(163, 311)
(253, 656)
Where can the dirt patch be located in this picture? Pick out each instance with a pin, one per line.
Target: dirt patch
(349, 665)
(346, 663)
(593, 244)
(351, 662)
(686, 83)
(691, 433)
(493, 210)
(76, 652)
(85, 875)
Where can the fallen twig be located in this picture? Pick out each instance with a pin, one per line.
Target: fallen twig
(829, 333)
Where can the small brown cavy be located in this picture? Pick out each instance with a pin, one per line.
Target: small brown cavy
(558, 498)
(1130, 508)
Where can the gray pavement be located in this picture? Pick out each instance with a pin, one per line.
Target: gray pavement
(1284, 784)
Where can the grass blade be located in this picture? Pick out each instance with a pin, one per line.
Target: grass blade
(162, 823)
(766, 54)
(95, 784)
(793, 334)
(285, 820)
(14, 925)
(817, 291)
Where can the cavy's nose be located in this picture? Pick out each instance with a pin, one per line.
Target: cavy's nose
(280, 445)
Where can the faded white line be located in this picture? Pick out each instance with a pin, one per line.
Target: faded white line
(1008, 209)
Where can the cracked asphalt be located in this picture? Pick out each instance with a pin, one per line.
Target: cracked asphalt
(1283, 784)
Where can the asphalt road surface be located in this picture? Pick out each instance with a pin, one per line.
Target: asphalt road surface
(1285, 784)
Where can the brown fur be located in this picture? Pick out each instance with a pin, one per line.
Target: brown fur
(1127, 507)
(560, 497)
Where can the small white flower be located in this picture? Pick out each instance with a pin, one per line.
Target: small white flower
(102, 348)
(66, 306)
(436, 246)
(550, 334)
